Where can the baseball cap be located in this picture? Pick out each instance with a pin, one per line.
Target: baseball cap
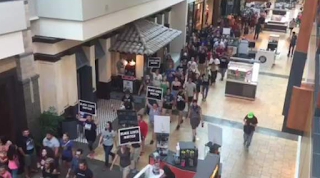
(250, 115)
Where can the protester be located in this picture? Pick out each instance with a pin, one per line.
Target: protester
(67, 146)
(176, 85)
(223, 67)
(83, 170)
(13, 160)
(205, 85)
(190, 88)
(195, 115)
(143, 130)
(90, 133)
(292, 44)
(214, 64)
(127, 100)
(53, 143)
(180, 104)
(250, 123)
(46, 153)
(50, 170)
(136, 150)
(164, 85)
(168, 101)
(156, 78)
(74, 163)
(107, 141)
(154, 110)
(125, 161)
(145, 83)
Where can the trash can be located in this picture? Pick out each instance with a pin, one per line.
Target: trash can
(70, 126)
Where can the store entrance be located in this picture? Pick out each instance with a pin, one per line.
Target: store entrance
(84, 78)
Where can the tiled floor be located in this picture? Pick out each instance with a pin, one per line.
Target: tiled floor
(270, 155)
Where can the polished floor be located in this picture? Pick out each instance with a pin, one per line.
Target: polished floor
(272, 153)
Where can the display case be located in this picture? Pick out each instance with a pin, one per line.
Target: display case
(242, 80)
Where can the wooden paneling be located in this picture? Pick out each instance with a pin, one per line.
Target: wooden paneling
(301, 103)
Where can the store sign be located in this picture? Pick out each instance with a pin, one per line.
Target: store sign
(154, 93)
(87, 107)
(129, 135)
(154, 62)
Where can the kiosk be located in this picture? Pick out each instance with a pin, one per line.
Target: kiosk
(242, 80)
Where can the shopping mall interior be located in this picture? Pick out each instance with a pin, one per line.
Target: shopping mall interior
(63, 63)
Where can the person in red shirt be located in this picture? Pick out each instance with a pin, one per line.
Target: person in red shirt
(143, 129)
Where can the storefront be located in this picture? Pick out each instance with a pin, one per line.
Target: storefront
(201, 14)
(138, 41)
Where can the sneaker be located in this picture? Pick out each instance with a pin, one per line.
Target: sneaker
(151, 142)
(178, 127)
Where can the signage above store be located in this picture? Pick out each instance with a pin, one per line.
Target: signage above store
(154, 93)
(87, 107)
(154, 62)
(129, 135)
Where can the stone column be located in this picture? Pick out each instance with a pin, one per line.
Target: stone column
(160, 18)
(28, 79)
(90, 53)
(178, 20)
(300, 56)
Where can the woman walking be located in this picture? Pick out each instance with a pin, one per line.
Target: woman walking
(66, 145)
(13, 160)
(107, 141)
(125, 160)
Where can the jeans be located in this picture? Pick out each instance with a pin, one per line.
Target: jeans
(214, 76)
(107, 153)
(205, 89)
(222, 72)
(90, 144)
(247, 138)
(291, 50)
(14, 173)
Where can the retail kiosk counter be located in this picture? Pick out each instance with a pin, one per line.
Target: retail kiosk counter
(211, 165)
(242, 80)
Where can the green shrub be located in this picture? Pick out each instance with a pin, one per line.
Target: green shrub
(50, 121)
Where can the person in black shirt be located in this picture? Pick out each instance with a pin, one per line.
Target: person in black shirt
(249, 124)
(90, 132)
(127, 101)
(125, 160)
(202, 60)
(257, 31)
(223, 66)
(26, 147)
(292, 44)
(49, 169)
(83, 171)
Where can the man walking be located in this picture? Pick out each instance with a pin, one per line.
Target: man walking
(292, 44)
(257, 31)
(250, 122)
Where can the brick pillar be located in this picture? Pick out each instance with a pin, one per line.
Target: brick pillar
(28, 79)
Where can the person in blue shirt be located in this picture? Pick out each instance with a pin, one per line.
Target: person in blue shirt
(66, 145)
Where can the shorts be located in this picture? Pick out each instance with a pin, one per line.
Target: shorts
(67, 159)
(194, 122)
(291, 28)
(30, 159)
(190, 99)
(125, 171)
(181, 106)
(202, 67)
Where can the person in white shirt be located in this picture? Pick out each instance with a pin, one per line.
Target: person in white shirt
(292, 24)
(214, 63)
(51, 142)
(157, 78)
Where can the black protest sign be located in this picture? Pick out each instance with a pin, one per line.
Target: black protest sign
(129, 135)
(127, 117)
(154, 93)
(87, 107)
(154, 62)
